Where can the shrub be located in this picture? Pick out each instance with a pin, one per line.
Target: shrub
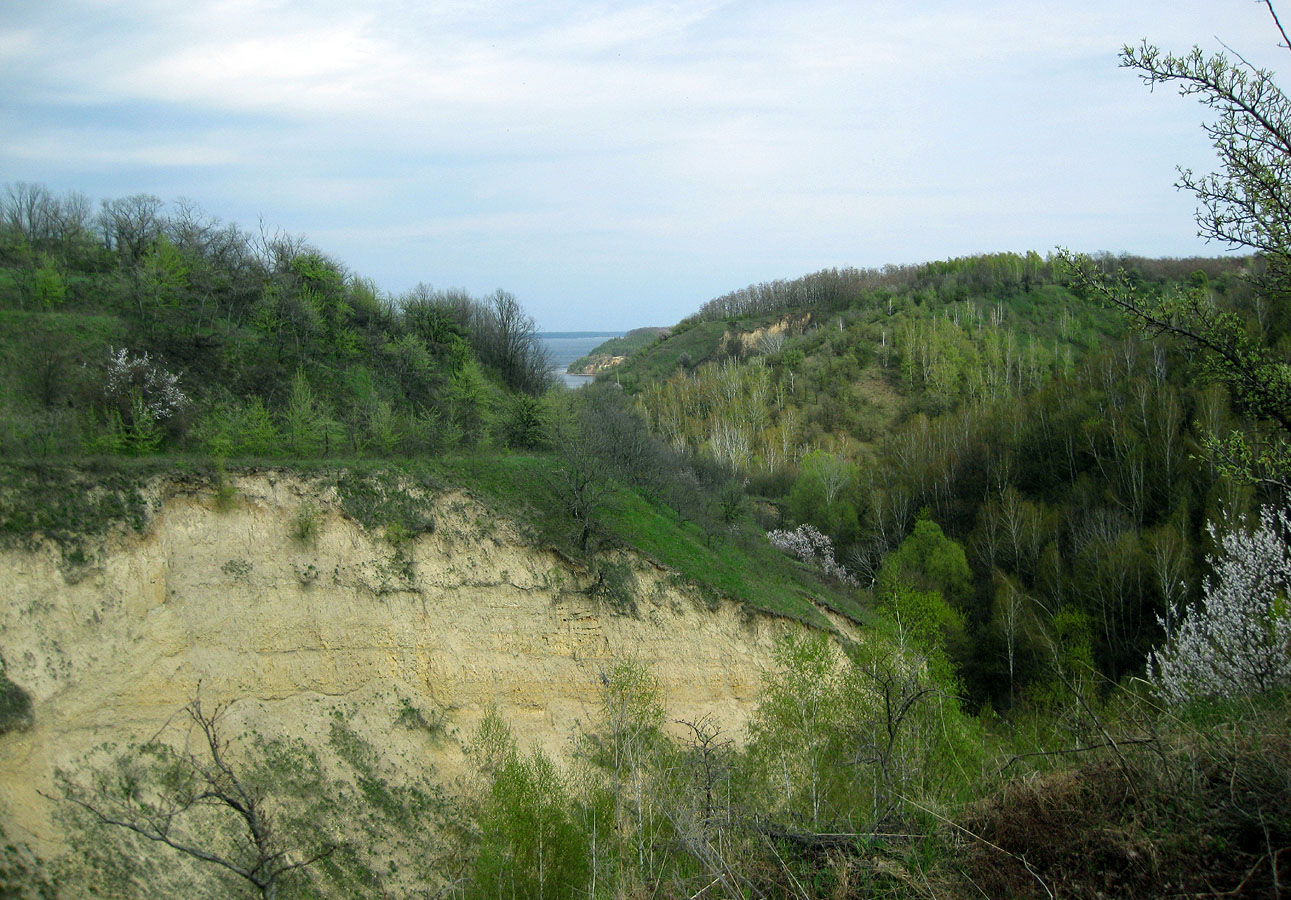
(1237, 640)
(815, 549)
(15, 705)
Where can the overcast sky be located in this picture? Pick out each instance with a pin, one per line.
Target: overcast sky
(616, 164)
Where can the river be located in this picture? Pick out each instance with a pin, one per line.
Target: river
(566, 346)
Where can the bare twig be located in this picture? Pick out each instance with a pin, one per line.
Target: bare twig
(1286, 42)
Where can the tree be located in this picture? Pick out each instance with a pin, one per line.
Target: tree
(1237, 640)
(1246, 204)
(131, 224)
(305, 423)
(507, 340)
(923, 587)
(529, 845)
(823, 494)
(175, 797)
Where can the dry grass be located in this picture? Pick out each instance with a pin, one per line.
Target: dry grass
(1205, 812)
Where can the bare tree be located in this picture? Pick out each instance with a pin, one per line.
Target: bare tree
(131, 224)
(176, 797)
(507, 339)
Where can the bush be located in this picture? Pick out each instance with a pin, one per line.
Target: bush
(1237, 640)
(808, 545)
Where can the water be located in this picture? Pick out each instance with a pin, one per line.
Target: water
(566, 346)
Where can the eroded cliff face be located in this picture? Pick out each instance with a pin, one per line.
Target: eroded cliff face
(290, 629)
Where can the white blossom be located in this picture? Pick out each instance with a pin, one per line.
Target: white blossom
(1237, 640)
(808, 545)
(158, 389)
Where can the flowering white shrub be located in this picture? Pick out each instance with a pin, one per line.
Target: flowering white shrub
(807, 544)
(1238, 639)
(130, 377)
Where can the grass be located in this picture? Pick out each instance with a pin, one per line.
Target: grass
(741, 566)
(1200, 806)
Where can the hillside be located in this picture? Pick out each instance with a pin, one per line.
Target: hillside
(1023, 418)
(843, 586)
(266, 592)
(609, 354)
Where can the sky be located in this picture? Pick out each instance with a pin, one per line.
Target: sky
(617, 164)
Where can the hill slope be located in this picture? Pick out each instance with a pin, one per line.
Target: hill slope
(267, 594)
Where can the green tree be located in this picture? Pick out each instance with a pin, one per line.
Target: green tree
(470, 403)
(530, 846)
(923, 587)
(1247, 203)
(304, 423)
(928, 560)
(824, 495)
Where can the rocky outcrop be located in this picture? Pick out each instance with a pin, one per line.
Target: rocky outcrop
(595, 363)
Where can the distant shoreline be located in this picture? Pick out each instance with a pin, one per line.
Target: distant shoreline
(557, 335)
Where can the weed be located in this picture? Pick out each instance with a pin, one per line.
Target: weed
(70, 504)
(237, 569)
(305, 526)
(616, 584)
(226, 494)
(413, 718)
(396, 502)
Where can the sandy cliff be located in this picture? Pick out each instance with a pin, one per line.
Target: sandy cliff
(453, 622)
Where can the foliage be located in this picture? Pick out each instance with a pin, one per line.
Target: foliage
(845, 740)
(530, 846)
(280, 351)
(824, 493)
(1236, 640)
(1242, 205)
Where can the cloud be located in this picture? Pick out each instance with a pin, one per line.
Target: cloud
(694, 145)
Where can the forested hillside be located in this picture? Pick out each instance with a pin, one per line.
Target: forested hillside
(988, 397)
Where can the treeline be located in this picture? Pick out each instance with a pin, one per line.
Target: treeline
(954, 279)
(139, 327)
